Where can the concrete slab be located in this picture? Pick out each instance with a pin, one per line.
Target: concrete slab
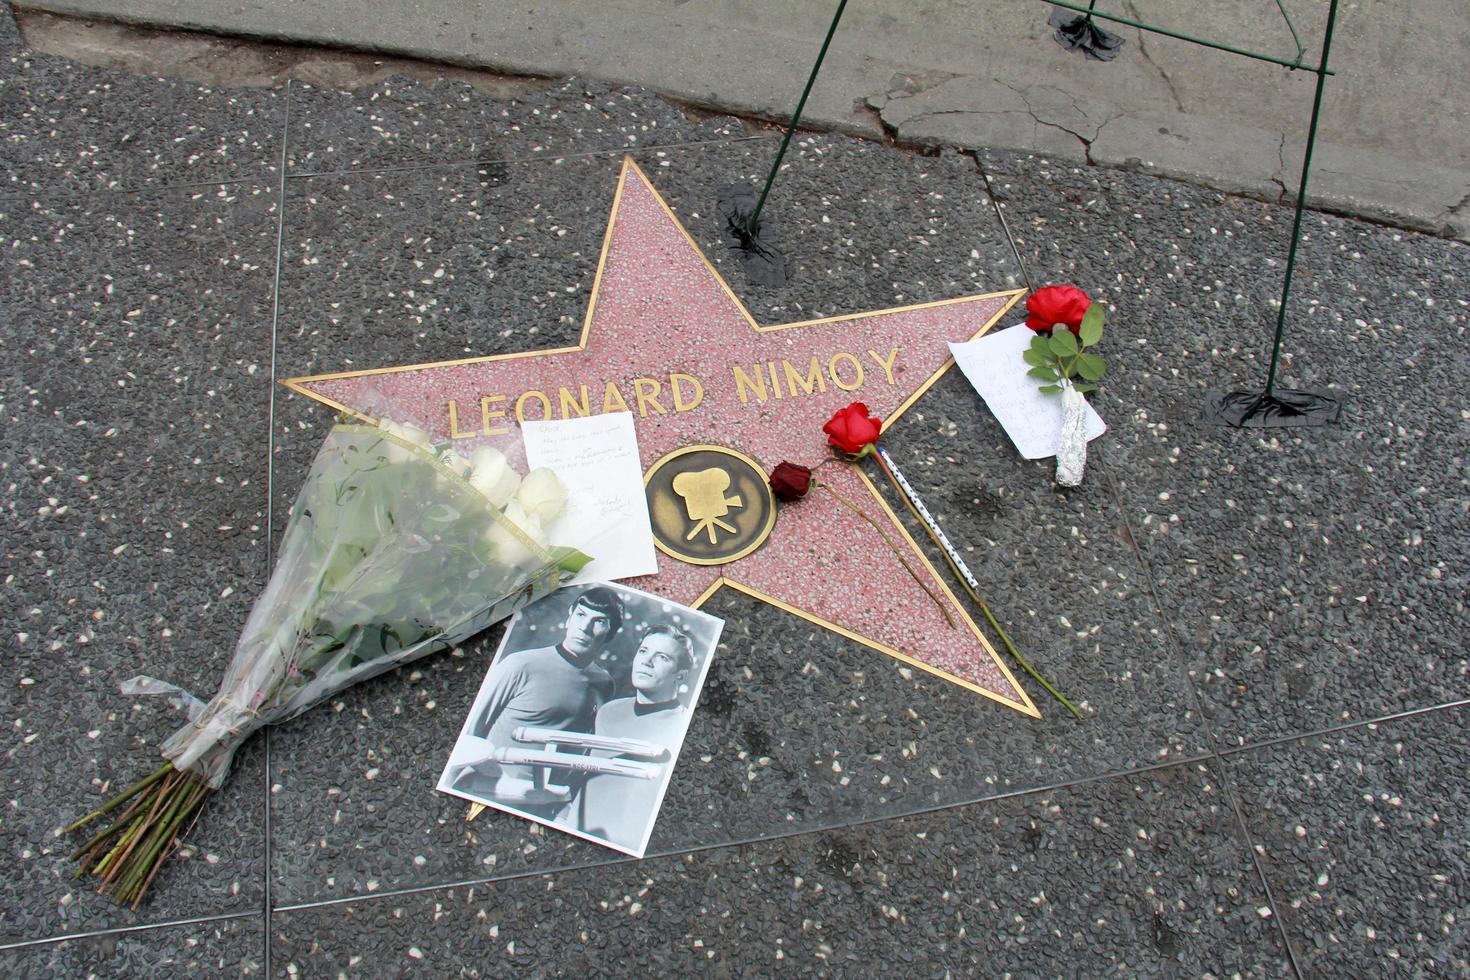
(134, 384)
(1330, 813)
(1143, 875)
(403, 122)
(1315, 575)
(78, 128)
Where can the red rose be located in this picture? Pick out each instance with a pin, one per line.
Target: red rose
(791, 481)
(851, 429)
(1051, 305)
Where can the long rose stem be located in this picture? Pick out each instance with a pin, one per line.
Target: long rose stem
(1022, 660)
(894, 548)
(165, 792)
(197, 792)
(970, 590)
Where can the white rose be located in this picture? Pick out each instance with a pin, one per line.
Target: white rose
(509, 548)
(542, 494)
(493, 475)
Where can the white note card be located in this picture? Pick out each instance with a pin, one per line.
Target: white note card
(607, 512)
(1033, 421)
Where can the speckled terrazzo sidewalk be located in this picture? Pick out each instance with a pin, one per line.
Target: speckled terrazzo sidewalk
(1267, 633)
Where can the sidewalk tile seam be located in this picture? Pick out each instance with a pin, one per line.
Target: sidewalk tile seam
(1230, 752)
(66, 195)
(270, 472)
(1178, 654)
(123, 930)
(1202, 759)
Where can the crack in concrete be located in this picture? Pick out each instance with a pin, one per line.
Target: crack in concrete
(1084, 140)
(1143, 53)
(1462, 208)
(1282, 193)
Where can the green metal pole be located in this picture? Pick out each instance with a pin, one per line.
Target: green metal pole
(795, 118)
(1301, 200)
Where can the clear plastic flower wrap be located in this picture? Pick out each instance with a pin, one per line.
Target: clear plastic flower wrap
(395, 548)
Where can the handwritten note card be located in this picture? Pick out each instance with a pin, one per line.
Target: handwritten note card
(607, 513)
(1033, 421)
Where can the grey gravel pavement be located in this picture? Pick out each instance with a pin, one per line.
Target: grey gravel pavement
(1266, 632)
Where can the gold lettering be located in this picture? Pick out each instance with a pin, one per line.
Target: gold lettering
(647, 390)
(814, 378)
(454, 432)
(539, 396)
(775, 381)
(757, 385)
(836, 379)
(486, 414)
(570, 404)
(680, 405)
(887, 365)
(612, 399)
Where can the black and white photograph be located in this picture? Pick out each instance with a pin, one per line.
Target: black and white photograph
(580, 718)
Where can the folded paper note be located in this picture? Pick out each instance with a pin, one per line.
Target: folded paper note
(994, 367)
(597, 459)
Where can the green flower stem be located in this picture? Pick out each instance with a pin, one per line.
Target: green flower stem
(123, 797)
(969, 590)
(189, 794)
(1022, 660)
(113, 865)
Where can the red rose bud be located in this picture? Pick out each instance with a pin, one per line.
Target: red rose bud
(790, 481)
(1051, 305)
(852, 430)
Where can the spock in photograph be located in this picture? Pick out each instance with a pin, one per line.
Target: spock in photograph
(558, 687)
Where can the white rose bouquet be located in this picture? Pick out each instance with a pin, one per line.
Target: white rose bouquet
(395, 548)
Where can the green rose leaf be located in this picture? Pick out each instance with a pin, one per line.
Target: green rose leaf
(1045, 373)
(1035, 357)
(1062, 343)
(1091, 367)
(1041, 343)
(1084, 389)
(570, 559)
(1092, 324)
(1049, 389)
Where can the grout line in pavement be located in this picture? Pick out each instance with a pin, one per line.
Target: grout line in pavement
(270, 525)
(68, 194)
(1224, 772)
(1344, 727)
(1004, 226)
(120, 930)
(756, 841)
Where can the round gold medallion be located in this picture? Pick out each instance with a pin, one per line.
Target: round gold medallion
(709, 505)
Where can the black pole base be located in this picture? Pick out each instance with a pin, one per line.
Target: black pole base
(1082, 33)
(1282, 408)
(764, 265)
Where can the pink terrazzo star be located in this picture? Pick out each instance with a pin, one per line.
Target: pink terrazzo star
(661, 315)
